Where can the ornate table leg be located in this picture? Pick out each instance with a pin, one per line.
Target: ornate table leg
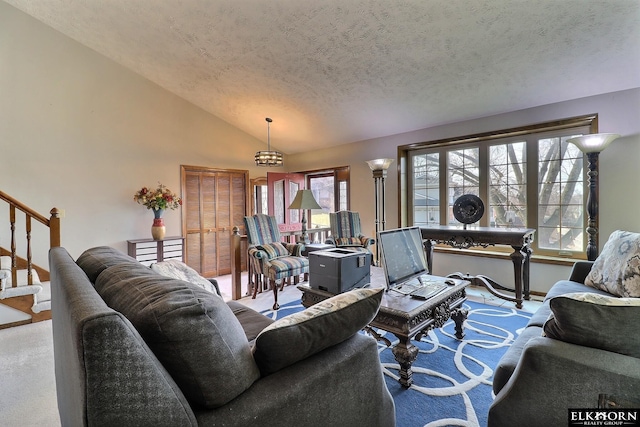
(459, 316)
(527, 262)
(518, 259)
(405, 354)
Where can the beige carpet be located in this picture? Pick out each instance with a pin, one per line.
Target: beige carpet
(28, 397)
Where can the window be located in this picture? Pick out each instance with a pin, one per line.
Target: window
(529, 177)
(331, 190)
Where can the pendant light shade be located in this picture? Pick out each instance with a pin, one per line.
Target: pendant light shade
(269, 158)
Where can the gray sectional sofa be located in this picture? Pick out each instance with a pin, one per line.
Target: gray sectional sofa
(132, 347)
(589, 349)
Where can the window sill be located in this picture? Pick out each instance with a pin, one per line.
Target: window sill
(538, 259)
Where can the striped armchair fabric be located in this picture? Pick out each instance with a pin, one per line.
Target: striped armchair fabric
(345, 231)
(270, 258)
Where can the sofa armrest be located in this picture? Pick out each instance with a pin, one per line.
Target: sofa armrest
(580, 271)
(553, 376)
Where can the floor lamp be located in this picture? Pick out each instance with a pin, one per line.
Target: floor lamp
(379, 168)
(592, 145)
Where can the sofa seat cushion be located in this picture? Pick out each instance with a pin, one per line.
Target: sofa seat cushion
(593, 320)
(287, 266)
(252, 322)
(95, 260)
(510, 359)
(617, 268)
(330, 322)
(193, 333)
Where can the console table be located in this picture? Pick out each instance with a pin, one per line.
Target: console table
(148, 251)
(519, 239)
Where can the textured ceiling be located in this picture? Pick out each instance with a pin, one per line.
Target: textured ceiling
(337, 71)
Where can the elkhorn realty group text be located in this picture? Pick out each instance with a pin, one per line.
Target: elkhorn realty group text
(604, 417)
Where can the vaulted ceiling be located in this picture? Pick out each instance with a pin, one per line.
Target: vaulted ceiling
(337, 71)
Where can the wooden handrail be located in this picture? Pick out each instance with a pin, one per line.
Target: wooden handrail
(53, 223)
(24, 208)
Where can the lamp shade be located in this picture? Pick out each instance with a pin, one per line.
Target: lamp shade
(269, 158)
(593, 143)
(304, 200)
(379, 164)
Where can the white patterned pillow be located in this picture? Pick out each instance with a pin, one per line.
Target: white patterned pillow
(181, 271)
(617, 268)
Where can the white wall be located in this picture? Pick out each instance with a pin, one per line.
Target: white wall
(81, 133)
(618, 112)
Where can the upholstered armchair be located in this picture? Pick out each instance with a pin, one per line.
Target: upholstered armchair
(271, 259)
(345, 231)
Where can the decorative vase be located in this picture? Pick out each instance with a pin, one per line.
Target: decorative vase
(157, 229)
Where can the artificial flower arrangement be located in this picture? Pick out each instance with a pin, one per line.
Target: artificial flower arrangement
(159, 199)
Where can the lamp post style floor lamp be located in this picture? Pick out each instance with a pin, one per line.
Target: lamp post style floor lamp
(592, 145)
(379, 168)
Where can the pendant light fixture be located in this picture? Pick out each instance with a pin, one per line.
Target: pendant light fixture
(269, 158)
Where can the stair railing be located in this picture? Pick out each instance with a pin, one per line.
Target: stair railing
(53, 223)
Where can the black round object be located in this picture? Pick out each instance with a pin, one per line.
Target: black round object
(468, 208)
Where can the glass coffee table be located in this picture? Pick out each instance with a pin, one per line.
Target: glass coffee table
(407, 318)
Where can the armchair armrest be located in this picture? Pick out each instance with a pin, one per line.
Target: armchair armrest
(580, 271)
(366, 241)
(330, 241)
(295, 249)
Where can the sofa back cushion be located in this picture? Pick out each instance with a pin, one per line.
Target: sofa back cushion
(193, 333)
(95, 260)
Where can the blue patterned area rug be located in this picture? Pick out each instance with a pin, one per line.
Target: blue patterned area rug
(451, 378)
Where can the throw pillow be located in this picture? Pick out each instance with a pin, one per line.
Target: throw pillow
(193, 333)
(274, 250)
(594, 320)
(300, 335)
(181, 271)
(617, 269)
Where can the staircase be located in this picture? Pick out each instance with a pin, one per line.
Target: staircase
(25, 293)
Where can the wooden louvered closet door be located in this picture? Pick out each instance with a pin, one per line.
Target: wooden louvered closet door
(215, 200)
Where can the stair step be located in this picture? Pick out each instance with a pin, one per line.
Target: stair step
(41, 291)
(43, 298)
(9, 316)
